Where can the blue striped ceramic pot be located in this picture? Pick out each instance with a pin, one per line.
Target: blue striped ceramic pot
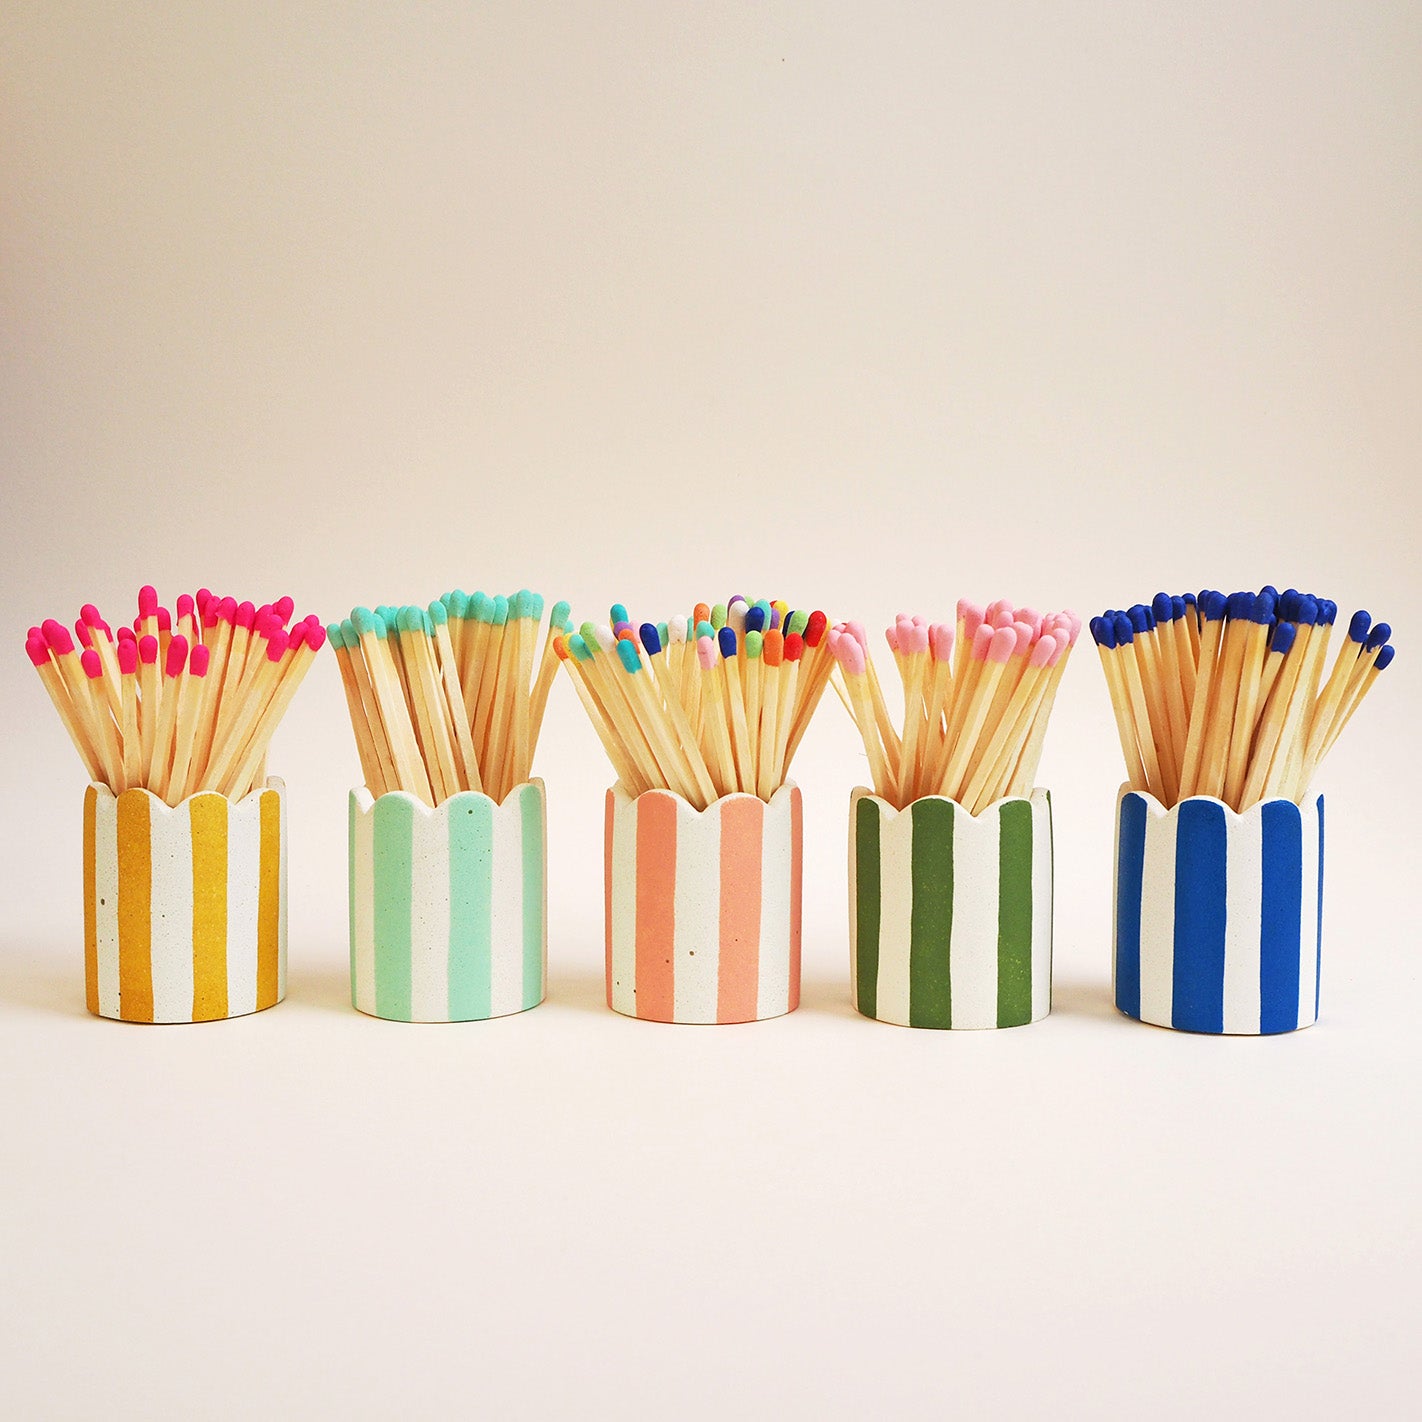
(950, 914)
(448, 906)
(1219, 915)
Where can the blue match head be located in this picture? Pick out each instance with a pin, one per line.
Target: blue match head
(1190, 600)
(1101, 632)
(718, 616)
(1288, 605)
(363, 620)
(1240, 606)
(1162, 607)
(627, 651)
(1177, 608)
(578, 648)
(1308, 611)
(561, 618)
(1141, 618)
(1271, 590)
(438, 614)
(1385, 657)
(704, 629)
(1212, 605)
(617, 613)
(1282, 638)
(1358, 626)
(1378, 637)
(500, 614)
(1121, 629)
(1265, 605)
(1327, 612)
(726, 640)
(650, 638)
(755, 619)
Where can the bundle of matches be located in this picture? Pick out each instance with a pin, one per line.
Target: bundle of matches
(705, 706)
(977, 699)
(176, 704)
(1225, 696)
(446, 698)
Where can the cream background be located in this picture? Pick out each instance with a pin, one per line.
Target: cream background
(869, 306)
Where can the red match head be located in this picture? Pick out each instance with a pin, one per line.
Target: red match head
(815, 629)
(794, 647)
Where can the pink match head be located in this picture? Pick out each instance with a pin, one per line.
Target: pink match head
(82, 632)
(706, 652)
(89, 615)
(996, 609)
(982, 640)
(1030, 616)
(165, 620)
(208, 613)
(891, 635)
(93, 667)
(1002, 644)
(245, 615)
(57, 635)
(1044, 651)
(177, 655)
(971, 616)
(847, 652)
(315, 636)
(999, 617)
(1061, 644)
(227, 610)
(148, 650)
(276, 646)
(36, 649)
(186, 606)
(940, 641)
(264, 623)
(198, 658)
(147, 602)
(1075, 626)
(265, 610)
(913, 637)
(1024, 633)
(284, 607)
(127, 634)
(856, 630)
(128, 657)
(296, 638)
(202, 597)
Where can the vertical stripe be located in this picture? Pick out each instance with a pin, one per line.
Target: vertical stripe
(1280, 915)
(1201, 875)
(506, 911)
(893, 991)
(1043, 854)
(864, 885)
(1014, 914)
(392, 853)
(535, 934)
(363, 900)
(134, 907)
(931, 916)
(655, 889)
(777, 935)
(353, 815)
(106, 887)
(170, 902)
(269, 904)
(1157, 916)
(742, 835)
(1242, 889)
(1308, 916)
(696, 965)
(471, 875)
(609, 812)
(244, 844)
(622, 895)
(208, 816)
(91, 929)
(972, 881)
(429, 915)
(797, 886)
(1318, 922)
(280, 791)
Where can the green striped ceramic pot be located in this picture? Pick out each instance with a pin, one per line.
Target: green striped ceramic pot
(448, 906)
(950, 914)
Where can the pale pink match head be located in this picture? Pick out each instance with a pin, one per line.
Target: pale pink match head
(165, 620)
(128, 657)
(940, 639)
(996, 609)
(856, 630)
(1075, 625)
(1001, 644)
(1044, 651)
(848, 653)
(891, 635)
(177, 655)
(1024, 633)
(93, 667)
(57, 635)
(982, 641)
(315, 636)
(148, 602)
(36, 649)
(1030, 616)
(276, 646)
(1062, 641)
(971, 616)
(245, 615)
(999, 616)
(148, 650)
(706, 652)
(914, 637)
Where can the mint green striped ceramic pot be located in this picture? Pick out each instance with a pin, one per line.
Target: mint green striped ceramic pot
(950, 914)
(448, 906)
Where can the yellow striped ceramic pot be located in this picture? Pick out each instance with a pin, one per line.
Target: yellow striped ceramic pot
(184, 906)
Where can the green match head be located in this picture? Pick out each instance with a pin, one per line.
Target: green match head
(718, 616)
(334, 635)
(798, 622)
(753, 645)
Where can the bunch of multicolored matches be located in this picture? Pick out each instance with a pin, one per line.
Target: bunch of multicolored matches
(977, 698)
(707, 705)
(1220, 695)
(445, 698)
(179, 702)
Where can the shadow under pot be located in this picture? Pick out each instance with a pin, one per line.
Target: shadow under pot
(703, 906)
(950, 915)
(448, 906)
(1218, 915)
(184, 905)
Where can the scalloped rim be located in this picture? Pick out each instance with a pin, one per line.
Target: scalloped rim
(684, 806)
(273, 782)
(365, 802)
(1037, 799)
(1158, 811)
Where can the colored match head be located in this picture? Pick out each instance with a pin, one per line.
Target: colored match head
(982, 641)
(127, 657)
(1212, 605)
(726, 640)
(198, 659)
(578, 647)
(315, 636)
(177, 655)
(815, 628)
(718, 616)
(561, 618)
(186, 606)
(773, 647)
(284, 607)
(794, 646)
(651, 639)
(148, 650)
(628, 655)
(245, 615)
(276, 645)
(1385, 657)
(57, 635)
(847, 652)
(1282, 637)
(93, 667)
(1378, 637)
(706, 652)
(797, 622)
(1358, 626)
(37, 650)
(617, 613)
(147, 601)
(1162, 606)
(940, 641)
(1003, 644)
